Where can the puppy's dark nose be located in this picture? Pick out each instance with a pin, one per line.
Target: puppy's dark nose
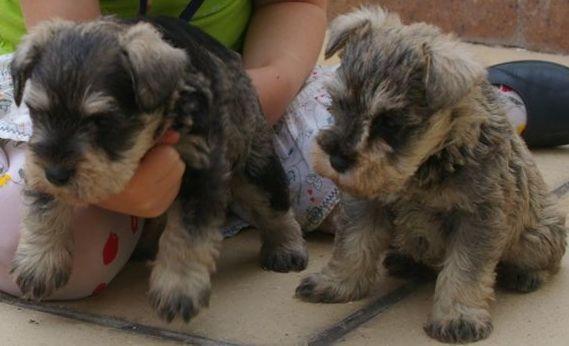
(340, 163)
(58, 175)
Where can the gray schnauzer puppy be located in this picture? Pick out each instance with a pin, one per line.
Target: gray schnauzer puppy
(434, 172)
(99, 95)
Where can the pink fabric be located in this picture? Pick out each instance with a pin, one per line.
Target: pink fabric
(104, 240)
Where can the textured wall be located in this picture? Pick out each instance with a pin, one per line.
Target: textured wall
(540, 25)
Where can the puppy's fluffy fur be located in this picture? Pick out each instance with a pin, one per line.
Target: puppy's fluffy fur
(431, 168)
(99, 95)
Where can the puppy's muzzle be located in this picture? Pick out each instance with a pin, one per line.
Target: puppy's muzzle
(58, 175)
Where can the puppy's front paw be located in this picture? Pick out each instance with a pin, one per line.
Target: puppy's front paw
(461, 330)
(319, 288)
(39, 272)
(284, 259)
(182, 294)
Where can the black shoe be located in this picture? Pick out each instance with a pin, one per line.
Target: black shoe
(544, 88)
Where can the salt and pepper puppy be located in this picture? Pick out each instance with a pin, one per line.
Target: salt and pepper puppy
(99, 95)
(430, 166)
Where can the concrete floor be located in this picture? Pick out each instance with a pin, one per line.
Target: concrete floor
(251, 306)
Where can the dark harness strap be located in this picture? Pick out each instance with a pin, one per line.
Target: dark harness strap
(187, 14)
(142, 7)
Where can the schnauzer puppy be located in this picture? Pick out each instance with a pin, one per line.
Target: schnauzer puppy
(99, 95)
(432, 170)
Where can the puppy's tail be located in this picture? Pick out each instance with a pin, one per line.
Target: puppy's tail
(355, 23)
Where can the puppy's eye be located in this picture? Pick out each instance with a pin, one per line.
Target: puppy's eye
(102, 121)
(99, 121)
(385, 127)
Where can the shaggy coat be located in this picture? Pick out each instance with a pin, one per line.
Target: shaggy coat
(99, 95)
(433, 172)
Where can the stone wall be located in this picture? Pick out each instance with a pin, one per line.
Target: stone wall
(540, 25)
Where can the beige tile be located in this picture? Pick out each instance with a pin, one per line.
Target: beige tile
(496, 55)
(248, 305)
(553, 164)
(26, 327)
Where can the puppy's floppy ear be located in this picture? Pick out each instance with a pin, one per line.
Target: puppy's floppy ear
(29, 51)
(155, 66)
(192, 107)
(356, 23)
(450, 72)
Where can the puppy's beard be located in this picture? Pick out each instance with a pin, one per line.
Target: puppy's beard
(376, 176)
(97, 177)
(369, 178)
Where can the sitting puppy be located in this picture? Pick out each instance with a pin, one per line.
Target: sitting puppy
(433, 169)
(99, 95)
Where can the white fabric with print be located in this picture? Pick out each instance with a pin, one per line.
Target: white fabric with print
(15, 123)
(312, 196)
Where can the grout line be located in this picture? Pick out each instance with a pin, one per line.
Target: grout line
(383, 303)
(112, 322)
(361, 316)
(561, 190)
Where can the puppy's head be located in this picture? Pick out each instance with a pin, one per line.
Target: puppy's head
(97, 94)
(392, 100)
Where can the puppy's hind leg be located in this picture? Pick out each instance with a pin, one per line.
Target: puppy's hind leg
(43, 260)
(263, 192)
(535, 256)
(353, 269)
(147, 246)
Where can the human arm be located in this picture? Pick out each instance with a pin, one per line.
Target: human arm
(281, 48)
(35, 11)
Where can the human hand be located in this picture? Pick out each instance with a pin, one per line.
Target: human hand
(155, 183)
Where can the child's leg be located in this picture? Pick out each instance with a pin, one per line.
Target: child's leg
(104, 240)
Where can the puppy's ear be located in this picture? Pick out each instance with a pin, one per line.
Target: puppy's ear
(155, 66)
(356, 23)
(29, 51)
(450, 72)
(192, 107)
